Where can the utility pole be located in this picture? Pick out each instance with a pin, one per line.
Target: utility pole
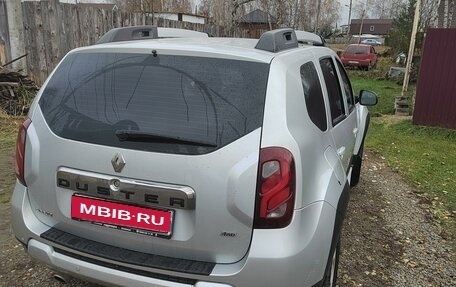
(361, 26)
(401, 102)
(411, 48)
(349, 16)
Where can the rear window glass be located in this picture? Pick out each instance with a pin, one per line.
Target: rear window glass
(171, 104)
(356, 50)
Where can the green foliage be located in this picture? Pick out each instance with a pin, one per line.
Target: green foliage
(399, 36)
(375, 81)
(425, 156)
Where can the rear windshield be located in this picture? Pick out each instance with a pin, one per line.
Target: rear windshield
(161, 103)
(356, 50)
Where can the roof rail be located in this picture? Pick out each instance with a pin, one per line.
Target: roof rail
(129, 34)
(146, 32)
(277, 40)
(305, 37)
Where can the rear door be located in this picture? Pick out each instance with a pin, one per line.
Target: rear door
(149, 134)
(347, 90)
(343, 121)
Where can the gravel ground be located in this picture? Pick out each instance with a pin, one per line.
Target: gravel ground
(389, 240)
(389, 237)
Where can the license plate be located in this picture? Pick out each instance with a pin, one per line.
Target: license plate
(353, 62)
(122, 216)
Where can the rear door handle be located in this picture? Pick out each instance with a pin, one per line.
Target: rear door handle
(355, 131)
(341, 152)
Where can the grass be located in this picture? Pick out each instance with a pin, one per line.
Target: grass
(375, 80)
(8, 132)
(425, 156)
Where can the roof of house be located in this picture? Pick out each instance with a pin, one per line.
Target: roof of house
(372, 21)
(258, 17)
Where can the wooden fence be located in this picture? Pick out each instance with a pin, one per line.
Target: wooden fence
(53, 28)
(4, 37)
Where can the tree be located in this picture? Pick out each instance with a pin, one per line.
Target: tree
(302, 14)
(181, 6)
(329, 14)
(399, 36)
(150, 6)
(224, 13)
(299, 14)
(377, 9)
(217, 11)
(320, 16)
(281, 10)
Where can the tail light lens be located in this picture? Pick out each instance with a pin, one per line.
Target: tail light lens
(275, 188)
(20, 150)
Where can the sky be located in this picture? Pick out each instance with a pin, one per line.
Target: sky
(343, 14)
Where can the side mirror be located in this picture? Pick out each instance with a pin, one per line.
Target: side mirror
(367, 98)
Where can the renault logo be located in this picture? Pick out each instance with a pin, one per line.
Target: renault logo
(118, 162)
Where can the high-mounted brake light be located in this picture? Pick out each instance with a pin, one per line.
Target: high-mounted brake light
(20, 150)
(275, 188)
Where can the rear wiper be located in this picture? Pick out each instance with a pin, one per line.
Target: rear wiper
(138, 136)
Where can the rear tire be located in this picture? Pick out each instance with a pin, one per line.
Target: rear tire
(330, 279)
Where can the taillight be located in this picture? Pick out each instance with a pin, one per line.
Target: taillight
(20, 150)
(275, 188)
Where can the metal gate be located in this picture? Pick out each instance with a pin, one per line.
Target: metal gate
(436, 91)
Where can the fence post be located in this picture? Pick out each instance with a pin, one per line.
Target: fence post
(16, 33)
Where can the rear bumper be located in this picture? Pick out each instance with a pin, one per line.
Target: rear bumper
(301, 261)
(355, 63)
(96, 273)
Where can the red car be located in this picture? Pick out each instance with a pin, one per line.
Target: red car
(359, 55)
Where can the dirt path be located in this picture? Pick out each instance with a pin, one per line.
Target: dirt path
(389, 237)
(389, 240)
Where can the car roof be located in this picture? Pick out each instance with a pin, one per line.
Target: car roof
(235, 48)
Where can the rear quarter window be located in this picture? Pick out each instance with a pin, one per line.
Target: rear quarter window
(93, 96)
(313, 95)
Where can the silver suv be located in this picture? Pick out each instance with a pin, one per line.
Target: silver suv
(191, 161)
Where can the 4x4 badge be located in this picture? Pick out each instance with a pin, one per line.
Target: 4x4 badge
(118, 162)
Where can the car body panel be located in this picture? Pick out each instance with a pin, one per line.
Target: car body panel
(311, 229)
(236, 173)
(372, 42)
(359, 55)
(219, 228)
